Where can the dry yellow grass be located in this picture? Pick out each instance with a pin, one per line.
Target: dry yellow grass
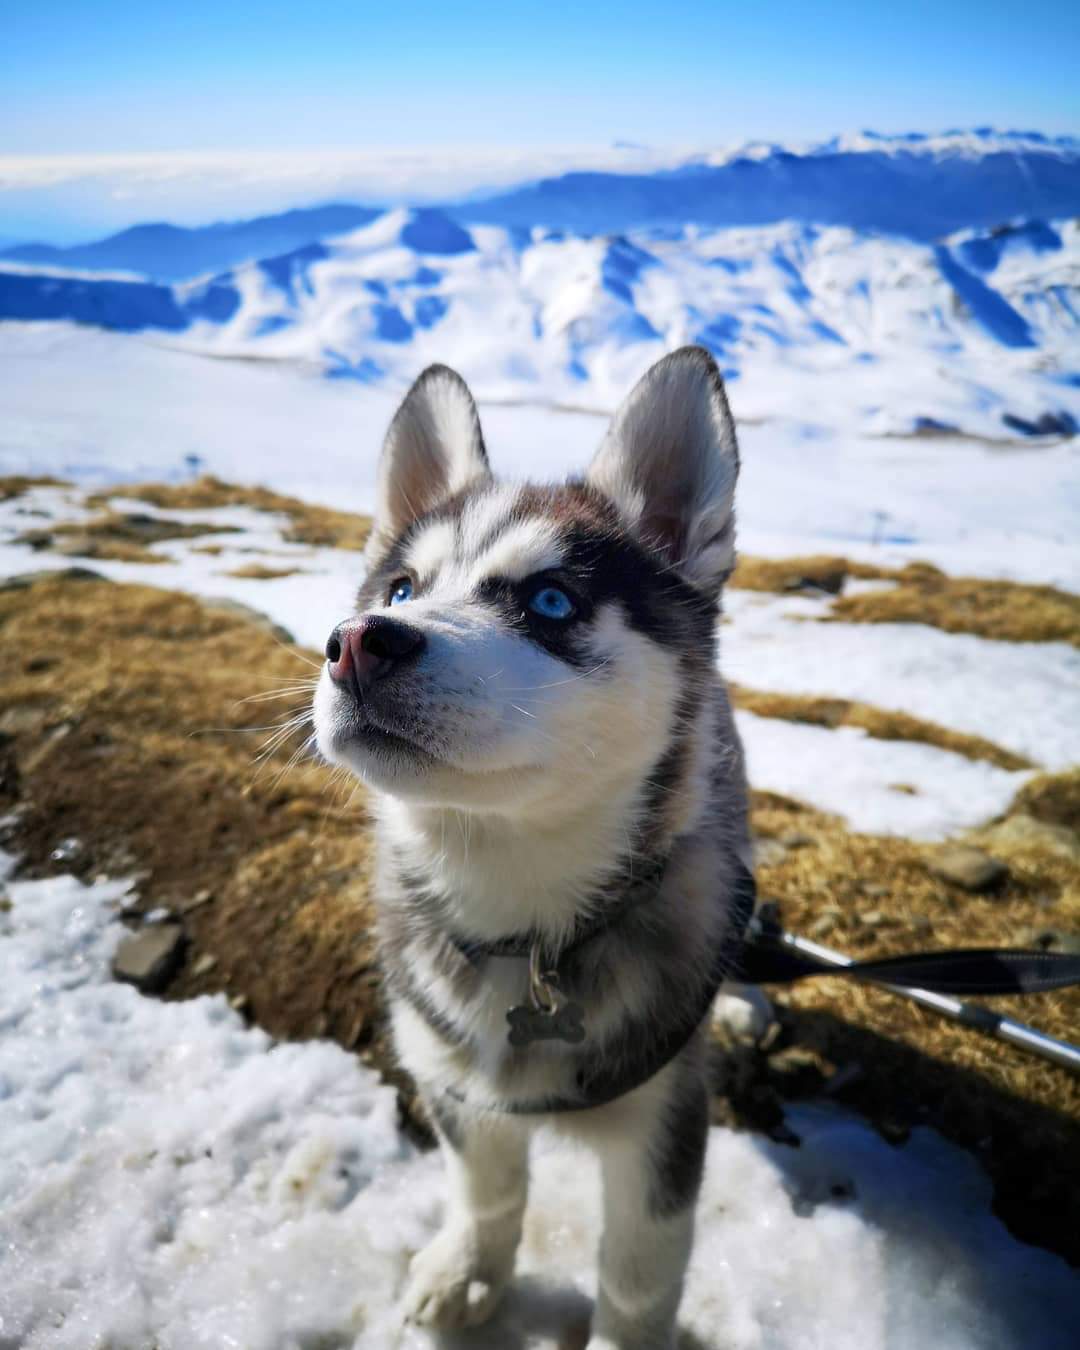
(15, 484)
(1005, 610)
(130, 738)
(321, 526)
(116, 536)
(133, 737)
(823, 572)
(260, 572)
(921, 593)
(1052, 797)
(882, 723)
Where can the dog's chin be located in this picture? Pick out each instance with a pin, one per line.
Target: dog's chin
(389, 761)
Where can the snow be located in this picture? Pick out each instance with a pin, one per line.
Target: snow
(1025, 696)
(170, 1177)
(132, 411)
(825, 326)
(879, 787)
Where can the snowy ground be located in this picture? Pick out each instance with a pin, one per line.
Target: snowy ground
(170, 1178)
(98, 408)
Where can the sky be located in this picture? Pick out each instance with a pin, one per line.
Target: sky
(139, 75)
(131, 110)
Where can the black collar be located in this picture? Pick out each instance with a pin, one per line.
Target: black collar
(603, 1082)
(641, 887)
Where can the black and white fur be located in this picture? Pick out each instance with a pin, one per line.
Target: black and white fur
(527, 773)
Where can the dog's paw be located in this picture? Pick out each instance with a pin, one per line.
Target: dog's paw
(742, 1013)
(448, 1287)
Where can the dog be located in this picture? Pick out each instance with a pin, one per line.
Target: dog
(529, 688)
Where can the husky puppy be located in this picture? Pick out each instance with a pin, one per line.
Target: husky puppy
(529, 688)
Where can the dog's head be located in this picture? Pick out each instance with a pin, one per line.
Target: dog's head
(517, 648)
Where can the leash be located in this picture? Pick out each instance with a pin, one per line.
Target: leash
(757, 950)
(933, 979)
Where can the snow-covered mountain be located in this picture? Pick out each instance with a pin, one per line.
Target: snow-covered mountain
(980, 332)
(918, 187)
(915, 186)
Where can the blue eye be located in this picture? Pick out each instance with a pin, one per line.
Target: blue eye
(400, 591)
(551, 603)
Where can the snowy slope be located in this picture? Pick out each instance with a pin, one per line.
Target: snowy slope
(980, 333)
(274, 1205)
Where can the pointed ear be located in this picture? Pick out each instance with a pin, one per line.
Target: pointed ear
(669, 462)
(433, 449)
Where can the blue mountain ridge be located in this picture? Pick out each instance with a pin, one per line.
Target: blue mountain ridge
(174, 253)
(916, 196)
(907, 189)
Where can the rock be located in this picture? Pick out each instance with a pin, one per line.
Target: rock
(1023, 831)
(874, 889)
(204, 965)
(149, 959)
(873, 918)
(969, 868)
(796, 839)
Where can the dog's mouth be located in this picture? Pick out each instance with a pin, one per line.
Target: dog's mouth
(373, 732)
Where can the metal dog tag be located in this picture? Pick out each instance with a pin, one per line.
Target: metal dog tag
(548, 1018)
(537, 1024)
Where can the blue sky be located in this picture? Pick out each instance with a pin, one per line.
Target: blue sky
(117, 76)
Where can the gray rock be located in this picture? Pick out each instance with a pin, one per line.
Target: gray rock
(969, 868)
(149, 959)
(1023, 831)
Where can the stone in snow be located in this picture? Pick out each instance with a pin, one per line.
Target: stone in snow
(149, 959)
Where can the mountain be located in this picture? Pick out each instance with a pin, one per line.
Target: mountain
(979, 332)
(173, 253)
(914, 187)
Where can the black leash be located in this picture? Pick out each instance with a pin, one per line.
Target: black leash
(769, 956)
(933, 979)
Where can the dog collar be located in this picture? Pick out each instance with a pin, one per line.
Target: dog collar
(601, 1083)
(548, 1015)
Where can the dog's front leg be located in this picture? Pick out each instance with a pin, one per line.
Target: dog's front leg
(651, 1172)
(457, 1280)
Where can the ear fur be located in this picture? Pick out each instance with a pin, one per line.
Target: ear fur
(433, 449)
(669, 463)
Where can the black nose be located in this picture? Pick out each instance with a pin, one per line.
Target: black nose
(363, 650)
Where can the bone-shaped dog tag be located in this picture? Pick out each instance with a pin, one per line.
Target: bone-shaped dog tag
(538, 1024)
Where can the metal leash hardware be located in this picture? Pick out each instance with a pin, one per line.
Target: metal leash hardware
(548, 1016)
